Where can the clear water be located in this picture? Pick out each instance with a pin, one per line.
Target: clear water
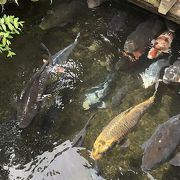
(55, 126)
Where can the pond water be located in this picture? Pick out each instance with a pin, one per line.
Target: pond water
(32, 147)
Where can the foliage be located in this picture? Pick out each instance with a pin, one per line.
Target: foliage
(9, 26)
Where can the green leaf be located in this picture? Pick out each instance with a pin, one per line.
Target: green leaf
(10, 37)
(3, 2)
(21, 23)
(4, 41)
(7, 48)
(11, 19)
(6, 34)
(10, 54)
(8, 42)
(16, 31)
(16, 23)
(2, 33)
(7, 19)
(11, 27)
(2, 21)
(4, 27)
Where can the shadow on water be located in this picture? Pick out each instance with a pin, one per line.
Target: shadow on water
(43, 149)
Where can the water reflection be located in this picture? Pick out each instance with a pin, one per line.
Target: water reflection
(68, 80)
(63, 162)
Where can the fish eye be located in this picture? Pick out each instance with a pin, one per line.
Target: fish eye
(160, 136)
(171, 75)
(166, 39)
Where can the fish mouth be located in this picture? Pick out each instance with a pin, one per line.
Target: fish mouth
(24, 123)
(137, 54)
(150, 57)
(110, 34)
(145, 168)
(92, 5)
(96, 157)
(153, 53)
(129, 47)
(129, 56)
(41, 26)
(86, 105)
(165, 81)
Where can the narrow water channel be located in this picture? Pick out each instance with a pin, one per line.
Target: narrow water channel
(22, 152)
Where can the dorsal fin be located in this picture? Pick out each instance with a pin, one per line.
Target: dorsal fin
(49, 54)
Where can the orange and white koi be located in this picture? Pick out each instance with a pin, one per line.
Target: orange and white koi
(161, 45)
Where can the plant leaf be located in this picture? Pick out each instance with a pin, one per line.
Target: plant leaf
(4, 27)
(11, 27)
(4, 41)
(16, 23)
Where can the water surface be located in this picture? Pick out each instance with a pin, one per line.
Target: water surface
(54, 126)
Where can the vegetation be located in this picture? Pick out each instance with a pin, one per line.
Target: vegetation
(9, 26)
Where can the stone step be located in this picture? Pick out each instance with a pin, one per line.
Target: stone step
(165, 6)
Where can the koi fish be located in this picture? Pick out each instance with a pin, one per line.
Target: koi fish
(161, 44)
(162, 144)
(119, 128)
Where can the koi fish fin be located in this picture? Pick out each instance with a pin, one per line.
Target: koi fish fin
(175, 161)
(150, 177)
(102, 105)
(168, 51)
(156, 88)
(44, 97)
(143, 146)
(125, 143)
(153, 42)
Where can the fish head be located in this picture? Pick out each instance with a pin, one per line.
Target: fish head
(100, 147)
(171, 74)
(159, 147)
(129, 46)
(54, 19)
(137, 54)
(110, 32)
(87, 104)
(153, 53)
(94, 3)
(92, 99)
(152, 156)
(148, 80)
(45, 22)
(163, 42)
